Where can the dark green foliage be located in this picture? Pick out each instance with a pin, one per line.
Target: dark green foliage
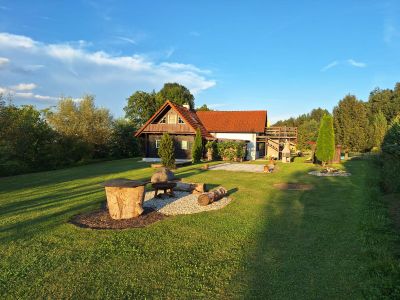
(387, 101)
(230, 150)
(123, 144)
(307, 131)
(326, 140)
(166, 151)
(176, 93)
(140, 107)
(391, 158)
(197, 149)
(204, 107)
(351, 124)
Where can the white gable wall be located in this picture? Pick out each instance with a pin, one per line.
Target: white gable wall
(251, 137)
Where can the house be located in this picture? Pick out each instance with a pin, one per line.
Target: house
(182, 123)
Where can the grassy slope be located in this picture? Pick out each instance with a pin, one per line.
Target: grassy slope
(267, 243)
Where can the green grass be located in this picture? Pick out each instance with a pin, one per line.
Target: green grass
(324, 243)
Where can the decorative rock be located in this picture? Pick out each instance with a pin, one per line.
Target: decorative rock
(162, 175)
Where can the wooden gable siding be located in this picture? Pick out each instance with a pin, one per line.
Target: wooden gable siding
(157, 127)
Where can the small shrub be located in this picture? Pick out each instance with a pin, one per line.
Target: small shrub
(166, 151)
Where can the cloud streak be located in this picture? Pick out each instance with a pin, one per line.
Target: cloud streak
(349, 62)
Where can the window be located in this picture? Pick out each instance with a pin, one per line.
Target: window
(171, 119)
(180, 121)
(184, 145)
(157, 144)
(163, 120)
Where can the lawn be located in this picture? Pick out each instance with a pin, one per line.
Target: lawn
(331, 242)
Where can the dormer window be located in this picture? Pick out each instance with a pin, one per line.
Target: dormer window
(163, 120)
(180, 121)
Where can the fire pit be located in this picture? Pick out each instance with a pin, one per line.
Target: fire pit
(168, 188)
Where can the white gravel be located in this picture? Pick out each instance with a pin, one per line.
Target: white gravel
(239, 167)
(182, 204)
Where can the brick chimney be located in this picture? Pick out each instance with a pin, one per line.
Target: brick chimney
(186, 105)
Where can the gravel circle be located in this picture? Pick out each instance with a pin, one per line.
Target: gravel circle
(182, 203)
(329, 174)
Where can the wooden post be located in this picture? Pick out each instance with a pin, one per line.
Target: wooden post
(124, 198)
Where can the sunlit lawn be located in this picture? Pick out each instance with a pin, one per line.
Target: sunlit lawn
(266, 243)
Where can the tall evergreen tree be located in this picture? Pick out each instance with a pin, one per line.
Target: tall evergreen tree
(197, 149)
(351, 124)
(166, 151)
(326, 140)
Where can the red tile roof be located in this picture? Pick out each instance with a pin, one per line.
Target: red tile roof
(234, 121)
(190, 117)
(216, 121)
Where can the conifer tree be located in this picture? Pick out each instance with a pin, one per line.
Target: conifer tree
(166, 151)
(379, 129)
(326, 140)
(197, 148)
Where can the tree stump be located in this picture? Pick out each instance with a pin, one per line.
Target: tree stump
(124, 198)
(210, 197)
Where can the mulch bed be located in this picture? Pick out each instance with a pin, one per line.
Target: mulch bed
(293, 186)
(100, 219)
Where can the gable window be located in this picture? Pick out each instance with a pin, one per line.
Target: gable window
(184, 145)
(180, 121)
(171, 119)
(157, 144)
(163, 120)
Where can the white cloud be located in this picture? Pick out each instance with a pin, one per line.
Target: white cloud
(330, 65)
(24, 87)
(72, 69)
(16, 41)
(357, 64)
(4, 61)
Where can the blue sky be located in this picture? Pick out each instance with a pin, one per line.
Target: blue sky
(284, 56)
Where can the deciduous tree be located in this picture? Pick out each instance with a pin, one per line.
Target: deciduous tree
(140, 107)
(176, 93)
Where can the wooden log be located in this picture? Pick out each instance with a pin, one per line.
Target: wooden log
(195, 188)
(210, 197)
(124, 198)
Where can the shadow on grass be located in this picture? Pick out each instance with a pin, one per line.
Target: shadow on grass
(307, 245)
(54, 201)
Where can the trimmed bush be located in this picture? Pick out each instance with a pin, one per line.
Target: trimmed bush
(231, 150)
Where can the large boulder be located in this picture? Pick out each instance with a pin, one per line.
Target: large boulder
(162, 175)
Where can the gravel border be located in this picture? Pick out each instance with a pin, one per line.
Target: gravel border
(182, 204)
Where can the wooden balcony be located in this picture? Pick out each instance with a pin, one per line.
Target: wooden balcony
(170, 128)
(281, 132)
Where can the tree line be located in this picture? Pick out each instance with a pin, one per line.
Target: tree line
(360, 126)
(75, 132)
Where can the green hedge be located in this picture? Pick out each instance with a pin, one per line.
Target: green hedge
(230, 150)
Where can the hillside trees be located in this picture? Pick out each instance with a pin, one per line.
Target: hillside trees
(351, 124)
(326, 140)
